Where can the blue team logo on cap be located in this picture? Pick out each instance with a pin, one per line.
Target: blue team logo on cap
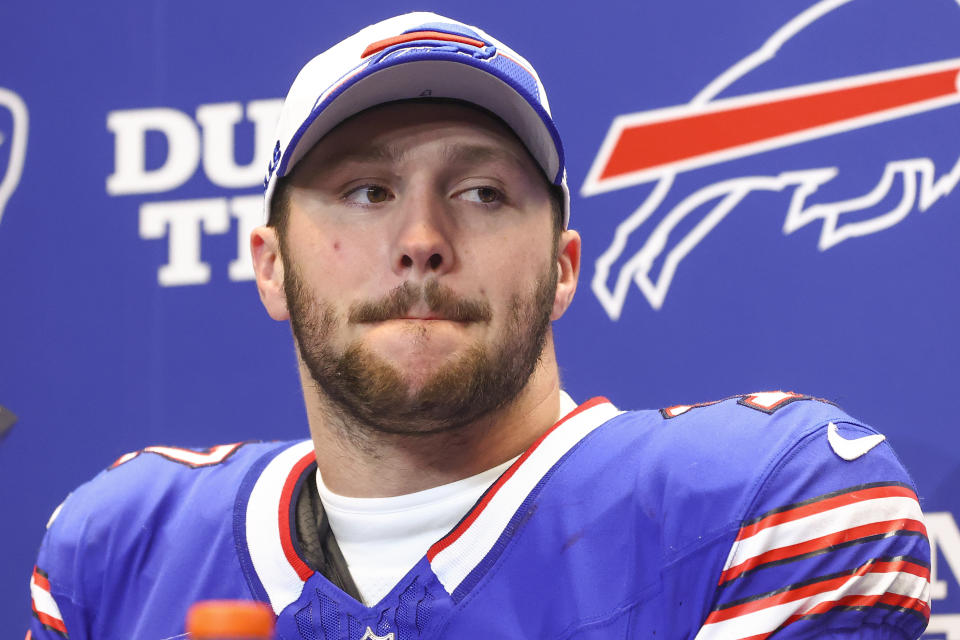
(847, 132)
(13, 144)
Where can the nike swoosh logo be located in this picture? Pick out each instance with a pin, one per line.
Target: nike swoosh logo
(851, 449)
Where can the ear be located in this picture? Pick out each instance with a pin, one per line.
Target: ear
(568, 271)
(268, 267)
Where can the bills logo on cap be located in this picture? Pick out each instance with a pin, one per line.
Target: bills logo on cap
(721, 125)
(431, 38)
(13, 143)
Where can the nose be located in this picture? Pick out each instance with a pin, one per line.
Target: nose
(423, 246)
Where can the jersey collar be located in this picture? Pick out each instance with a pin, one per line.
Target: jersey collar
(266, 525)
(461, 557)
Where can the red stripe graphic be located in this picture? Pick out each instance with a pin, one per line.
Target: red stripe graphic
(413, 36)
(891, 599)
(50, 621)
(807, 591)
(41, 580)
(825, 505)
(452, 537)
(823, 542)
(663, 142)
(286, 497)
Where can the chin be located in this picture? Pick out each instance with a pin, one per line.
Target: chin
(419, 355)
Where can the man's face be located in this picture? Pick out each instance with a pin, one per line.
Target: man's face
(420, 266)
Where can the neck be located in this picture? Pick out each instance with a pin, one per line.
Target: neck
(359, 461)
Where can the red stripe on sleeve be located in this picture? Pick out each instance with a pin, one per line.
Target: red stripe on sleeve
(901, 566)
(823, 542)
(809, 590)
(772, 601)
(41, 580)
(50, 621)
(825, 505)
(892, 599)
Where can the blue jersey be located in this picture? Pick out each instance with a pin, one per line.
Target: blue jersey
(760, 514)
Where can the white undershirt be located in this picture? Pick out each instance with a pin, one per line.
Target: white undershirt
(382, 538)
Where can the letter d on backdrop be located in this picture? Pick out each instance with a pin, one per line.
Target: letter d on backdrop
(130, 129)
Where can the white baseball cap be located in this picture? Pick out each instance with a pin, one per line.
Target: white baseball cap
(417, 55)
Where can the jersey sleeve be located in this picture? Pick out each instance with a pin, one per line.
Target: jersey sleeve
(833, 545)
(56, 614)
(120, 557)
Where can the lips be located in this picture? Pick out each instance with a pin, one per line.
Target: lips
(423, 312)
(430, 301)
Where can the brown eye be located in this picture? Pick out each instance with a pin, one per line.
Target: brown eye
(484, 195)
(368, 194)
(376, 194)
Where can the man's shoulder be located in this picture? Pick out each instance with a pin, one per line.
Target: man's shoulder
(739, 433)
(158, 483)
(756, 496)
(709, 467)
(749, 441)
(162, 512)
(766, 416)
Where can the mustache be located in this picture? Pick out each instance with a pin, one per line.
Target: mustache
(440, 299)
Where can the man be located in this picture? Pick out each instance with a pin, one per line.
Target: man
(417, 242)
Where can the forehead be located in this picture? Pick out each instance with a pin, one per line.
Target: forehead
(458, 132)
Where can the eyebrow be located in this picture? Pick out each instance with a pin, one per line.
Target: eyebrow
(457, 154)
(452, 154)
(364, 154)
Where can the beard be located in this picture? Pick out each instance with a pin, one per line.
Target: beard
(371, 392)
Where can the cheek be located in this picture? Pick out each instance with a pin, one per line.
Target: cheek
(348, 261)
(513, 272)
(510, 260)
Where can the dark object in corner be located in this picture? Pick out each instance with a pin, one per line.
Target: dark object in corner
(7, 420)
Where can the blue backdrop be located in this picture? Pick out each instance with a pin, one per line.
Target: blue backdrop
(798, 231)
